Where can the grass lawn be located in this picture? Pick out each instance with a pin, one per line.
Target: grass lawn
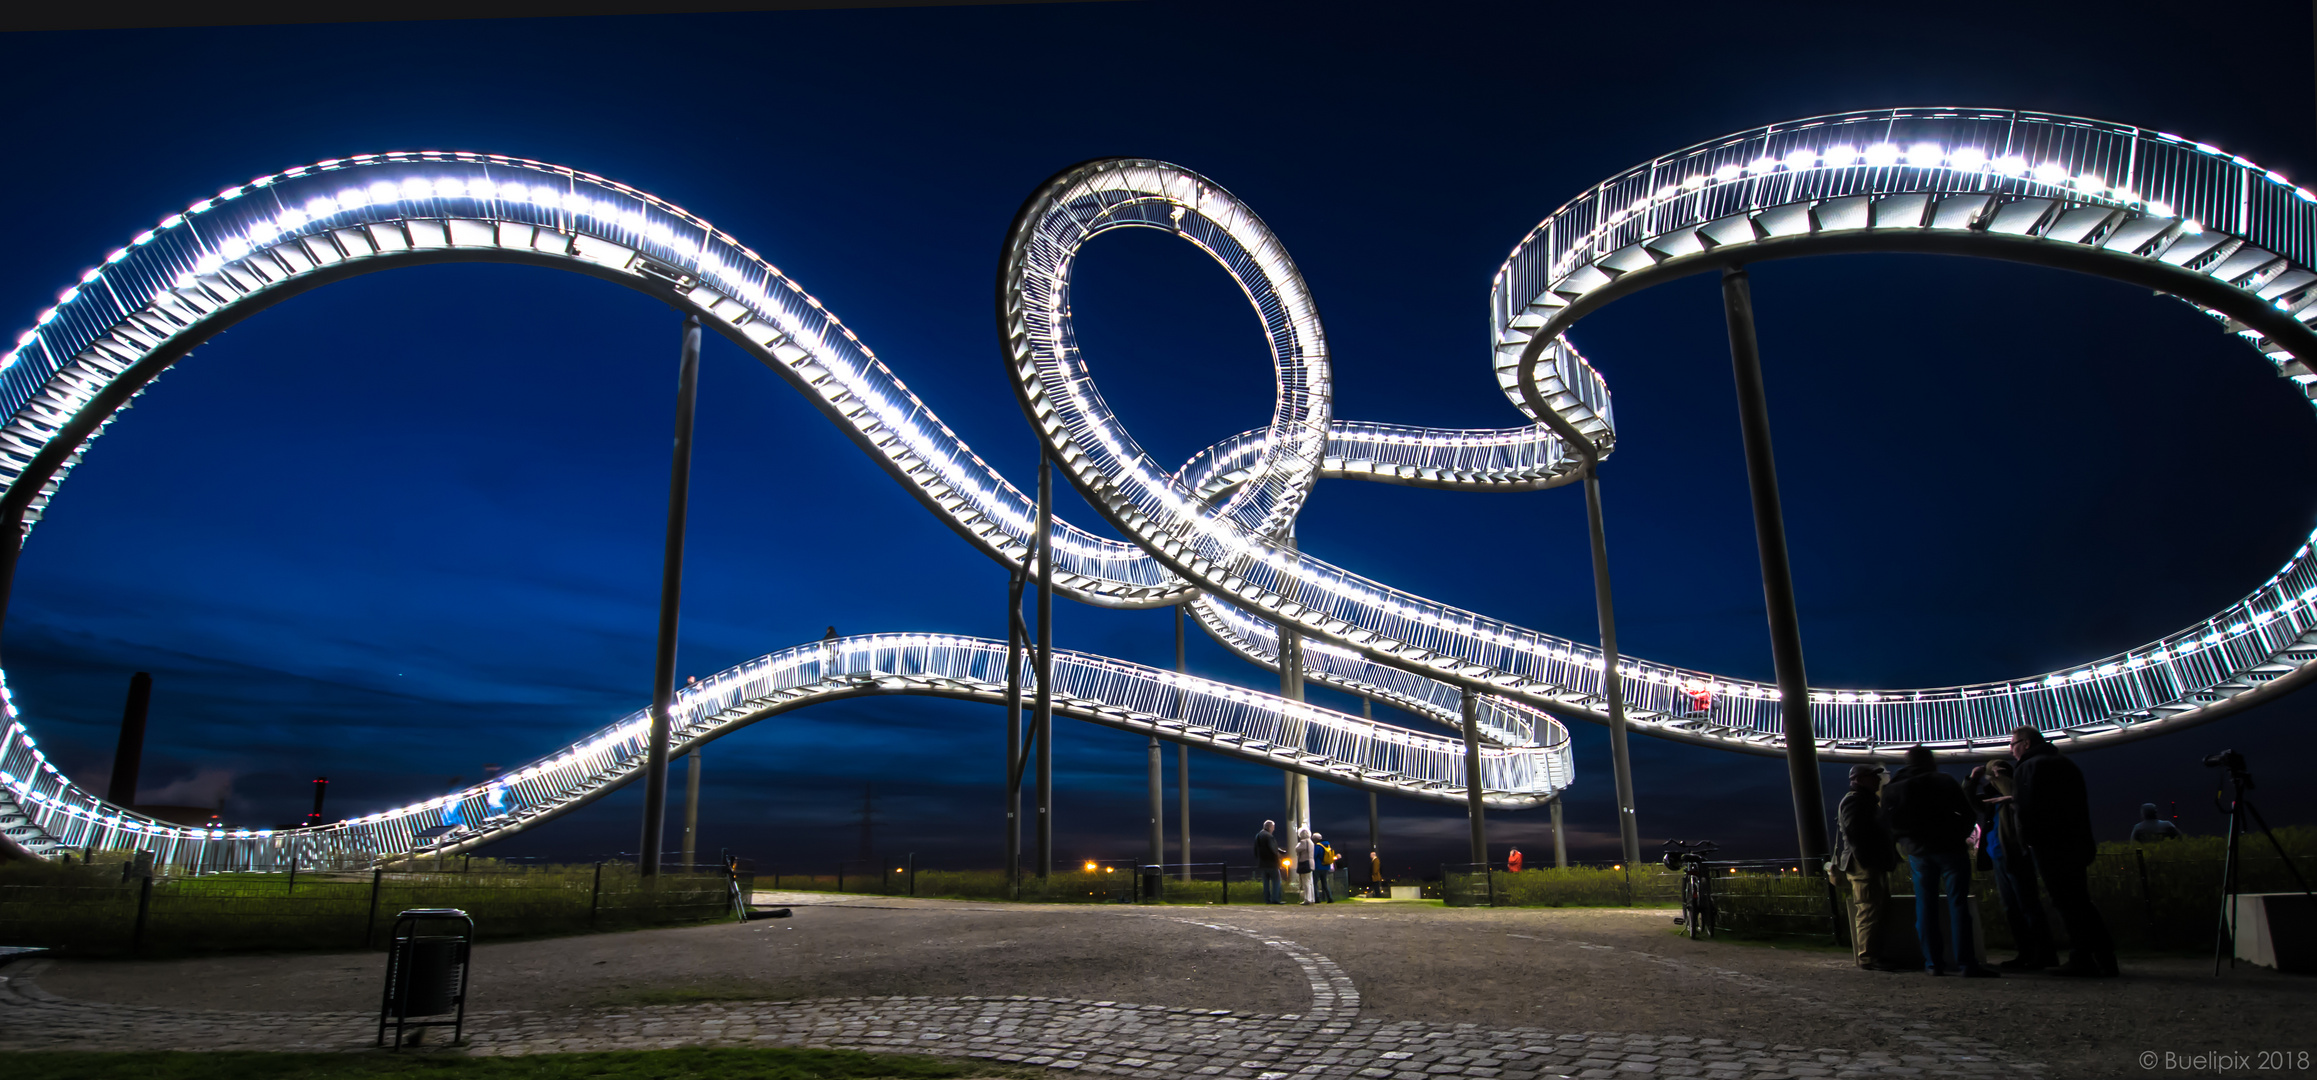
(775, 1064)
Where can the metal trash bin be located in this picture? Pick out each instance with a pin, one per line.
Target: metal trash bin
(426, 972)
(1154, 884)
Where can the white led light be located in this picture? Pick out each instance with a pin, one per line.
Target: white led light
(1727, 173)
(1841, 154)
(2160, 208)
(1801, 159)
(1968, 158)
(418, 187)
(209, 264)
(383, 191)
(353, 199)
(2051, 172)
(2011, 165)
(1925, 155)
(233, 249)
(1881, 155)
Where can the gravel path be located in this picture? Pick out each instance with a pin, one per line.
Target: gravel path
(1361, 989)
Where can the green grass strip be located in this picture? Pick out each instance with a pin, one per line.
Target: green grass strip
(681, 1064)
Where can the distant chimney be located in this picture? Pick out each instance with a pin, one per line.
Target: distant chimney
(131, 749)
(321, 788)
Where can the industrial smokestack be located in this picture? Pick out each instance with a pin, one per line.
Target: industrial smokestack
(131, 750)
(321, 788)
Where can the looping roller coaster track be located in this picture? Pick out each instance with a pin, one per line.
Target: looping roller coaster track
(2141, 206)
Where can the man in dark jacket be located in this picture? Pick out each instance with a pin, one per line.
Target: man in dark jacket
(1928, 813)
(1863, 856)
(2055, 818)
(1267, 862)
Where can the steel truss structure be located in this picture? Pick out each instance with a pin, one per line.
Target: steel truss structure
(2124, 202)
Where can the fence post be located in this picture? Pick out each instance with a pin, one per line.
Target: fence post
(1226, 867)
(293, 875)
(370, 924)
(144, 902)
(595, 897)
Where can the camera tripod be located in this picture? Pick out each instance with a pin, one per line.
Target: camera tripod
(2240, 808)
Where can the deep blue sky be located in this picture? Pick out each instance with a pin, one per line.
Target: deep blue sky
(409, 525)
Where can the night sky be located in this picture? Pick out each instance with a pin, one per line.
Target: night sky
(408, 526)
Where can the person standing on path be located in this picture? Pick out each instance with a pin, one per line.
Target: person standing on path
(1267, 862)
(1376, 884)
(2014, 868)
(2055, 818)
(1324, 865)
(1863, 859)
(1303, 863)
(1929, 814)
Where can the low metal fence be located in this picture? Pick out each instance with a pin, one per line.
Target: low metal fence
(346, 910)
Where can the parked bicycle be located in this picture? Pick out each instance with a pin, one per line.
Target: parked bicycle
(1697, 886)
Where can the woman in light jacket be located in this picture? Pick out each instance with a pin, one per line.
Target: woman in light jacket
(1303, 863)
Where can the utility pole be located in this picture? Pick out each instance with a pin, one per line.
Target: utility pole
(671, 592)
(1777, 570)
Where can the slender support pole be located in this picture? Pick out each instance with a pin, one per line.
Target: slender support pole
(1375, 817)
(1158, 805)
(1560, 839)
(130, 751)
(671, 591)
(1472, 789)
(691, 811)
(1291, 687)
(1045, 730)
(1014, 586)
(1612, 683)
(1777, 572)
(1182, 760)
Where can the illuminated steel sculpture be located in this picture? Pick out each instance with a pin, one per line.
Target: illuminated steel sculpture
(2119, 201)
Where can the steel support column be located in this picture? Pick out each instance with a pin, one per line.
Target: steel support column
(1014, 585)
(1777, 572)
(1472, 789)
(1375, 818)
(1182, 758)
(1297, 784)
(1560, 839)
(1045, 722)
(691, 810)
(129, 752)
(671, 591)
(1612, 683)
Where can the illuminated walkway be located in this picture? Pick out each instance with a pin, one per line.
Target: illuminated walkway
(2123, 202)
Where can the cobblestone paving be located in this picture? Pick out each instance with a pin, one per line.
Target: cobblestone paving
(1328, 1039)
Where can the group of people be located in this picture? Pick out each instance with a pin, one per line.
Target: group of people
(1312, 860)
(2024, 818)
